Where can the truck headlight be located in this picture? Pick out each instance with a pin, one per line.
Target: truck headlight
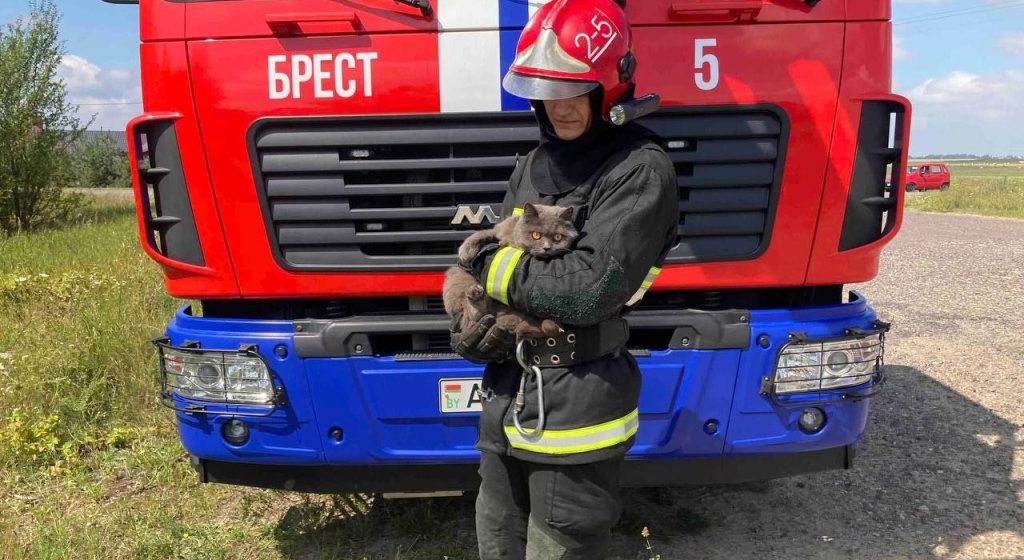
(826, 364)
(216, 375)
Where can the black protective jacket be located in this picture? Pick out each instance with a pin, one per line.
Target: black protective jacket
(627, 211)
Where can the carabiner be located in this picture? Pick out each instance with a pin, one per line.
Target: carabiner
(520, 403)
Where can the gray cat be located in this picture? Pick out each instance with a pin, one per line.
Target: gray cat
(543, 232)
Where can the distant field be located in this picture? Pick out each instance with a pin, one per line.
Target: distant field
(965, 169)
(985, 189)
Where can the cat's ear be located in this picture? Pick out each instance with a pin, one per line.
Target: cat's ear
(566, 214)
(529, 210)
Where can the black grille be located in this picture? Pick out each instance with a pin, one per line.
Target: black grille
(381, 192)
(728, 167)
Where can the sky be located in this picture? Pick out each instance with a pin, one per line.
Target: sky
(961, 63)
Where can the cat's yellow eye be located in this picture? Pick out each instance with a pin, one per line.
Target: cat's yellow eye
(558, 237)
(535, 235)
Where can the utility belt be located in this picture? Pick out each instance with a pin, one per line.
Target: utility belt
(577, 345)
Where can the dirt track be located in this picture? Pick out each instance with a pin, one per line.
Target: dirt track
(940, 473)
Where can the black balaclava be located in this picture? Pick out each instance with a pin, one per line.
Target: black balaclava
(559, 166)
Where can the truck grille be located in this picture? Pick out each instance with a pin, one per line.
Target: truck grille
(378, 193)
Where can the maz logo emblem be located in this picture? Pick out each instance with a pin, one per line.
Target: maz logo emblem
(475, 217)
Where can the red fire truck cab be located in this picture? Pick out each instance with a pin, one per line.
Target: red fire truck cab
(314, 164)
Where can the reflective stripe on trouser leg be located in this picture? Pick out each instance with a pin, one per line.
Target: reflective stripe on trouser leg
(578, 440)
(500, 272)
(647, 283)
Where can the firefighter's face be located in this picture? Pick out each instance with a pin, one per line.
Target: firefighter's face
(570, 117)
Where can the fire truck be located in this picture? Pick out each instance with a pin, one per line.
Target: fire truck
(310, 168)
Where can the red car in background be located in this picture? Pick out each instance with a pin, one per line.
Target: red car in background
(925, 176)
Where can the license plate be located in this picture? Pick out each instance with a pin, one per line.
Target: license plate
(459, 395)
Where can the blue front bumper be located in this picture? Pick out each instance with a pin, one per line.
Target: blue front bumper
(366, 411)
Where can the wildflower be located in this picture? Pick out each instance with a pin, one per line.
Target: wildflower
(651, 556)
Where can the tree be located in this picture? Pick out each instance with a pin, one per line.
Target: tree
(36, 122)
(99, 163)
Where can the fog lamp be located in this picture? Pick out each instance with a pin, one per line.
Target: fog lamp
(235, 431)
(812, 420)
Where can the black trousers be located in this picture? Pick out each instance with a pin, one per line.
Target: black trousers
(546, 512)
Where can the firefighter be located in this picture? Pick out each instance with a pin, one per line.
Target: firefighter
(554, 493)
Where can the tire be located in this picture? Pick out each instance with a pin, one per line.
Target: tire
(911, 187)
(945, 186)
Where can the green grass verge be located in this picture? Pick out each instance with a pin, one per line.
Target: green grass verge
(91, 466)
(985, 195)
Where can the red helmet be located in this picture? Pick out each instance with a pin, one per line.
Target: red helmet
(570, 47)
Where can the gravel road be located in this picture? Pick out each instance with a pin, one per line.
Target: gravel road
(940, 473)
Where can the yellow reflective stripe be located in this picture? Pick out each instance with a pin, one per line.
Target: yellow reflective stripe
(645, 285)
(588, 430)
(578, 440)
(499, 274)
(517, 211)
(490, 285)
(507, 274)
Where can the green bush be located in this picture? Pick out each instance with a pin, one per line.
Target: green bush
(99, 163)
(37, 123)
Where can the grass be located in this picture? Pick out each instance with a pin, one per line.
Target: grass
(91, 466)
(968, 169)
(984, 194)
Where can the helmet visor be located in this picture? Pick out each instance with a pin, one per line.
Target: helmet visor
(540, 89)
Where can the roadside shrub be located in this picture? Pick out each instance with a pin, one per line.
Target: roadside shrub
(37, 123)
(98, 162)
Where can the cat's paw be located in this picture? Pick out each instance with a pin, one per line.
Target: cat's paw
(467, 251)
(550, 328)
(476, 293)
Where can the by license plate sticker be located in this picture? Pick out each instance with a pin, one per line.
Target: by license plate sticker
(459, 395)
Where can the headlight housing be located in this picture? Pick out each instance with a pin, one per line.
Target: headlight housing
(215, 376)
(815, 365)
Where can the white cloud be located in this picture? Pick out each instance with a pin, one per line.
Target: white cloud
(111, 95)
(1012, 43)
(966, 112)
(899, 50)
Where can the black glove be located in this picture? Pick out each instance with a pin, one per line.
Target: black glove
(483, 341)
